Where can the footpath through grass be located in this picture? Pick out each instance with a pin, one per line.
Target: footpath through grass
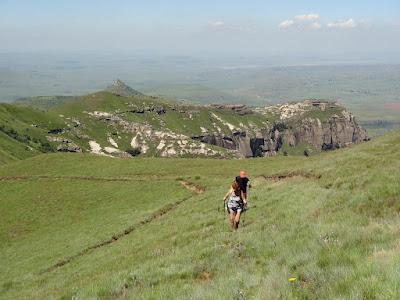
(329, 221)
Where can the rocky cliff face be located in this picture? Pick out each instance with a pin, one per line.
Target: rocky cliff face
(322, 125)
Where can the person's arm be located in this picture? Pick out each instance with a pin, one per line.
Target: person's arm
(228, 193)
(244, 198)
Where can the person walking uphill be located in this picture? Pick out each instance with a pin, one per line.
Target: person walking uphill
(244, 183)
(234, 205)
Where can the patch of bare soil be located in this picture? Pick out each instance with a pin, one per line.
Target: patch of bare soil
(195, 188)
(204, 276)
(284, 176)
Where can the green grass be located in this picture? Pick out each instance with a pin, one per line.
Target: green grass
(323, 116)
(334, 227)
(181, 118)
(23, 131)
(43, 102)
(299, 149)
(186, 118)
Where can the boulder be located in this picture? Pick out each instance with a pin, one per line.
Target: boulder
(69, 147)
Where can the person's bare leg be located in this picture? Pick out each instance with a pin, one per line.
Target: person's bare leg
(237, 219)
(232, 219)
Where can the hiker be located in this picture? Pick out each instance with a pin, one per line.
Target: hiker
(234, 205)
(244, 183)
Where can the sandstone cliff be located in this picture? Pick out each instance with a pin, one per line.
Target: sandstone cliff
(322, 125)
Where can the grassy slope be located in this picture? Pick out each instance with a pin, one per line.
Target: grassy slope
(180, 118)
(337, 234)
(44, 102)
(186, 119)
(29, 138)
(11, 149)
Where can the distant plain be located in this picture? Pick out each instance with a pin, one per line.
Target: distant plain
(368, 88)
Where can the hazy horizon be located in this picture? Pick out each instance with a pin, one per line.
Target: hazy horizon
(256, 28)
(206, 51)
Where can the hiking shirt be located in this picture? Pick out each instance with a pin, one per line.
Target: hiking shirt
(242, 183)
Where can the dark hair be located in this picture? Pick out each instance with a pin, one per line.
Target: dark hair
(236, 188)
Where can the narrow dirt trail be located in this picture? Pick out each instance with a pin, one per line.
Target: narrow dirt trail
(198, 189)
(155, 216)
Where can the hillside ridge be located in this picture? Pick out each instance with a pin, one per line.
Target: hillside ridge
(121, 122)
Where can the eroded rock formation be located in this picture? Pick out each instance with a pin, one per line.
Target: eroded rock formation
(322, 125)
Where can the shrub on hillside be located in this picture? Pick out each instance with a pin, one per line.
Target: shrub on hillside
(259, 152)
(133, 151)
(12, 133)
(46, 147)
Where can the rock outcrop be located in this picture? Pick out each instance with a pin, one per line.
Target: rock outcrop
(65, 145)
(69, 147)
(119, 88)
(239, 141)
(323, 125)
(240, 109)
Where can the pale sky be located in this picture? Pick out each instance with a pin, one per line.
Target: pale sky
(226, 26)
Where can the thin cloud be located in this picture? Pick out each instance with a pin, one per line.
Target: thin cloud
(343, 24)
(315, 25)
(216, 23)
(306, 18)
(286, 24)
(307, 21)
(221, 25)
